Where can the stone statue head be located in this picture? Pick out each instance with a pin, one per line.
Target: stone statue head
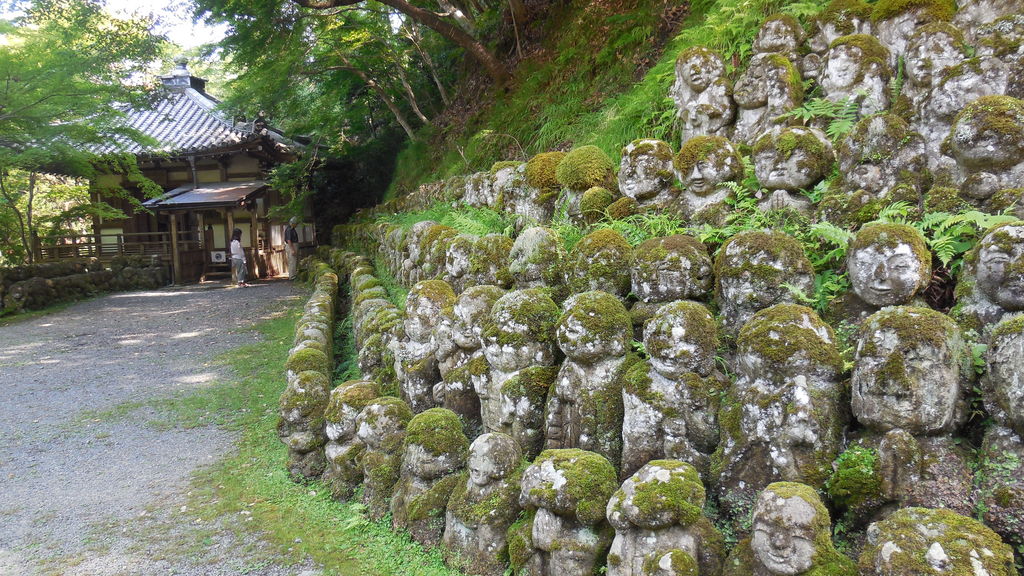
(779, 33)
(790, 525)
(601, 261)
(470, 312)
(783, 344)
(770, 80)
(425, 304)
(536, 258)
(793, 158)
(671, 268)
(595, 326)
(643, 502)
(457, 257)
(434, 444)
(521, 330)
(907, 372)
(839, 18)
(850, 59)
(698, 67)
(492, 457)
(681, 337)
(381, 423)
(895, 21)
(888, 264)
(1004, 376)
(932, 49)
(645, 173)
(704, 163)
(987, 142)
(879, 154)
(1000, 266)
(347, 400)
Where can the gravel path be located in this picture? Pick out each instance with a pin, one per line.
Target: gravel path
(74, 484)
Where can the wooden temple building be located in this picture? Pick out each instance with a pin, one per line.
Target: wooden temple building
(213, 172)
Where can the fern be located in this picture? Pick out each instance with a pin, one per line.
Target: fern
(896, 84)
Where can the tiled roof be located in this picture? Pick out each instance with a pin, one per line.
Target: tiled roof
(181, 122)
(210, 195)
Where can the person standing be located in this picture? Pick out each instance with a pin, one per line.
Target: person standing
(291, 247)
(238, 257)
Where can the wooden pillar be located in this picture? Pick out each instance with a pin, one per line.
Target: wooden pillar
(229, 217)
(175, 253)
(255, 247)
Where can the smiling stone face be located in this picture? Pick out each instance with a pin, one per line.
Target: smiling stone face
(671, 268)
(1004, 376)
(888, 264)
(645, 173)
(792, 159)
(784, 536)
(1001, 267)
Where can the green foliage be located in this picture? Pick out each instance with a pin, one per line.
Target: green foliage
(478, 221)
(841, 115)
(855, 479)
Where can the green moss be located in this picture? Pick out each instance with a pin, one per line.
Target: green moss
(499, 508)
(601, 261)
(431, 503)
(856, 479)
(356, 394)
(531, 383)
(682, 496)
(818, 158)
(585, 167)
(788, 21)
(308, 359)
(784, 333)
(779, 245)
(1006, 199)
(911, 325)
(438, 292)
(603, 316)
(648, 147)
(1010, 326)
(945, 199)
(489, 260)
(932, 10)
(590, 481)
(999, 116)
(680, 563)
(520, 541)
(871, 49)
(890, 236)
(503, 164)
(594, 202)
(307, 396)
(439, 432)
(540, 170)
(531, 308)
(842, 13)
(935, 28)
(622, 208)
(719, 149)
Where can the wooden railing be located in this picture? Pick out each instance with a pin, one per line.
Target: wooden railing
(107, 246)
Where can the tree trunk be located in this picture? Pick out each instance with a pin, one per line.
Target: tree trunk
(410, 96)
(414, 37)
(460, 16)
(518, 11)
(9, 197)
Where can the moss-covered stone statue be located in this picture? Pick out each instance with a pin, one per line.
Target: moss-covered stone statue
(856, 69)
(838, 18)
(460, 344)
(779, 33)
(1003, 38)
(668, 268)
(380, 426)
(1001, 462)
(301, 422)
(601, 261)
(410, 272)
(536, 201)
(931, 51)
(536, 261)
(567, 492)
(702, 93)
(480, 190)
(376, 357)
(416, 354)
(489, 261)
(344, 451)
(671, 401)
(584, 408)
(989, 286)
(435, 450)
(888, 265)
(484, 503)
(789, 160)
(751, 271)
(580, 170)
(895, 21)
(792, 535)
(519, 334)
(645, 173)
(987, 142)
(659, 524)
(457, 261)
(908, 391)
(769, 87)
(434, 251)
(783, 417)
(927, 542)
(704, 164)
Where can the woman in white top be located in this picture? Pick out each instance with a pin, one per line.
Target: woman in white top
(237, 257)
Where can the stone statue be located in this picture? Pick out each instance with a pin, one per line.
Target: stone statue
(480, 192)
(410, 273)
(380, 426)
(671, 401)
(520, 333)
(792, 534)
(668, 268)
(895, 21)
(930, 541)
(434, 251)
(989, 287)
(987, 142)
(653, 529)
(974, 14)
(645, 173)
(601, 261)
(704, 164)
(932, 50)
(301, 422)
(789, 160)
(838, 18)
(584, 408)
(567, 491)
(522, 400)
(489, 263)
(536, 260)
(751, 270)
(856, 69)
(888, 265)
(416, 355)
(484, 503)
(785, 402)
(435, 450)
(769, 87)
(343, 450)
(702, 94)
(1003, 39)
(457, 261)
(781, 34)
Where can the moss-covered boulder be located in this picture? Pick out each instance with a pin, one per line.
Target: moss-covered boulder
(586, 167)
(380, 426)
(601, 261)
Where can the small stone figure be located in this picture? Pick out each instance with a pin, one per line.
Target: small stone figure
(669, 268)
(789, 160)
(671, 402)
(781, 34)
(536, 201)
(704, 164)
(536, 260)
(523, 397)
(929, 541)
(932, 50)
(416, 355)
(895, 21)
(601, 261)
(990, 283)
(751, 271)
(974, 14)
(484, 503)
(434, 251)
(838, 18)
(489, 262)
(410, 272)
(480, 190)
(769, 87)
(1001, 463)
(520, 333)
(856, 69)
(702, 94)
(584, 409)
(785, 403)
(567, 535)
(457, 261)
(888, 265)
(435, 450)
(645, 173)
(1003, 39)
(343, 451)
(987, 142)
(659, 524)
(301, 425)
(380, 426)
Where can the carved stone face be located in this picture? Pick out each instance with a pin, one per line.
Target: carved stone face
(907, 371)
(793, 159)
(895, 32)
(677, 339)
(646, 169)
(517, 339)
(422, 464)
(671, 268)
(534, 250)
(376, 424)
(1001, 267)
(843, 65)
(469, 313)
(700, 70)
(711, 170)
(776, 36)
(458, 256)
(885, 275)
(928, 54)
(752, 86)
(585, 333)
(421, 316)
(1005, 374)
(880, 153)
(784, 533)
